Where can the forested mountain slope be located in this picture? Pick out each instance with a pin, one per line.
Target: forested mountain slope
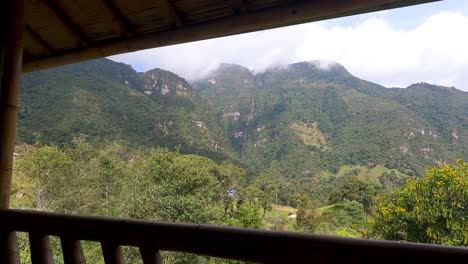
(305, 147)
(109, 101)
(312, 117)
(309, 117)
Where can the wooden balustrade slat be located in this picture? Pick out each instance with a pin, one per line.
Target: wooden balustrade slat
(41, 251)
(9, 253)
(257, 246)
(112, 253)
(150, 255)
(72, 251)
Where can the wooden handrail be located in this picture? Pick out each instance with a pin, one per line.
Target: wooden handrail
(225, 242)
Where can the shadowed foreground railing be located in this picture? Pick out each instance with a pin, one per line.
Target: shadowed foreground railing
(216, 241)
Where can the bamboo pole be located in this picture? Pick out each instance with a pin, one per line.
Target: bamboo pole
(11, 43)
(11, 53)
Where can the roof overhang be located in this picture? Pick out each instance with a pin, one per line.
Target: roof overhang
(63, 32)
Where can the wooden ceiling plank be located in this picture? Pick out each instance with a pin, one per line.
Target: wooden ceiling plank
(119, 22)
(39, 40)
(170, 14)
(69, 25)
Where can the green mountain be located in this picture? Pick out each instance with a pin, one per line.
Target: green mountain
(308, 117)
(110, 101)
(312, 118)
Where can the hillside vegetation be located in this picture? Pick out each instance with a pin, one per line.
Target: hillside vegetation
(295, 148)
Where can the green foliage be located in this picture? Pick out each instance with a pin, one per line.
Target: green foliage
(307, 219)
(42, 165)
(432, 209)
(362, 123)
(248, 215)
(109, 101)
(344, 216)
(355, 189)
(179, 188)
(113, 180)
(306, 120)
(149, 146)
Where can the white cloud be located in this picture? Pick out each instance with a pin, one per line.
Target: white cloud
(435, 51)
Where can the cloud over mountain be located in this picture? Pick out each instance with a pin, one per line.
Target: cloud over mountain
(373, 49)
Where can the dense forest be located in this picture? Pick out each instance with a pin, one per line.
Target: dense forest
(159, 184)
(295, 148)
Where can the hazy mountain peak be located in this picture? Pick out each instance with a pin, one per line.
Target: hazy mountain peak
(233, 74)
(228, 69)
(165, 82)
(231, 66)
(319, 65)
(430, 87)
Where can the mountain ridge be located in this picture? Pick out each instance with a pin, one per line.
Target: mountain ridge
(308, 117)
(343, 100)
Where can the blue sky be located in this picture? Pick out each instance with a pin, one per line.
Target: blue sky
(394, 48)
(408, 17)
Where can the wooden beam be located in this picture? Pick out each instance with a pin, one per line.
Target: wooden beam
(27, 54)
(11, 52)
(237, 6)
(295, 13)
(118, 21)
(39, 40)
(67, 23)
(170, 14)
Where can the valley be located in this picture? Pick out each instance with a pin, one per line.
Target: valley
(234, 147)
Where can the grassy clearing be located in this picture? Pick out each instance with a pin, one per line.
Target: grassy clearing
(363, 172)
(278, 218)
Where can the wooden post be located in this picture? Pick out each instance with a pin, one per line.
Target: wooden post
(41, 251)
(150, 255)
(11, 53)
(72, 251)
(112, 253)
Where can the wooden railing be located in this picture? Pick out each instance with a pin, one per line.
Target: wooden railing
(208, 240)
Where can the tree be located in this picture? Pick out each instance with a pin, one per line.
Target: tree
(307, 218)
(231, 179)
(433, 209)
(50, 172)
(175, 187)
(355, 189)
(249, 216)
(252, 194)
